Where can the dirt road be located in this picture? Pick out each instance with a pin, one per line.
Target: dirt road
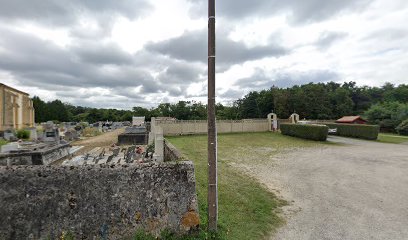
(103, 140)
(356, 190)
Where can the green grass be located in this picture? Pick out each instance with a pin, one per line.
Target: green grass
(392, 138)
(3, 142)
(247, 210)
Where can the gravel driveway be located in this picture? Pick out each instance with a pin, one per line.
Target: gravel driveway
(356, 190)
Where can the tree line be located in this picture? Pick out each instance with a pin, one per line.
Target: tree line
(311, 101)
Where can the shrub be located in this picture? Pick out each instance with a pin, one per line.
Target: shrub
(90, 132)
(388, 114)
(369, 132)
(307, 131)
(3, 142)
(402, 129)
(22, 134)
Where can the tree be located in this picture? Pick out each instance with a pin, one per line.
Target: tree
(94, 115)
(342, 104)
(58, 111)
(249, 106)
(40, 107)
(388, 115)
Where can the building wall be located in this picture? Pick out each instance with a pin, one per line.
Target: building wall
(16, 109)
(1, 107)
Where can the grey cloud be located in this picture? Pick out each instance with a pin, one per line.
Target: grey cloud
(192, 46)
(113, 101)
(232, 94)
(388, 34)
(299, 11)
(326, 39)
(180, 73)
(55, 12)
(39, 63)
(262, 80)
(102, 54)
(36, 62)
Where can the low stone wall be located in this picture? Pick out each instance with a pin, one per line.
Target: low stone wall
(39, 157)
(170, 152)
(96, 202)
(181, 127)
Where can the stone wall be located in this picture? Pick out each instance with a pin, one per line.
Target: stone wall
(170, 152)
(181, 127)
(96, 202)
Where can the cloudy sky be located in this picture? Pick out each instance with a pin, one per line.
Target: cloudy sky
(120, 54)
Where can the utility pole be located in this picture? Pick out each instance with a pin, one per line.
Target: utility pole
(212, 128)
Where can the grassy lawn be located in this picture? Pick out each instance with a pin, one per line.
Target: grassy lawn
(392, 138)
(247, 210)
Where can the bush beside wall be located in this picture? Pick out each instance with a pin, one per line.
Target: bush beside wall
(369, 132)
(306, 131)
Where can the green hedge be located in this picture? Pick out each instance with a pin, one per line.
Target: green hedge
(369, 132)
(307, 131)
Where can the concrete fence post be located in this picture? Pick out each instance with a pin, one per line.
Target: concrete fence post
(152, 130)
(159, 145)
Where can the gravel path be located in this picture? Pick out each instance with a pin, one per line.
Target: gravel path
(356, 190)
(103, 140)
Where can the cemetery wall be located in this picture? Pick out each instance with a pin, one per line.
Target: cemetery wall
(170, 152)
(96, 202)
(182, 127)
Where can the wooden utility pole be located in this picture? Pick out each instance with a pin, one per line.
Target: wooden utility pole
(212, 128)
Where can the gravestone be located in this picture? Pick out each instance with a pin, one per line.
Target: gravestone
(71, 135)
(115, 152)
(134, 136)
(10, 147)
(51, 133)
(33, 133)
(138, 121)
(130, 154)
(9, 135)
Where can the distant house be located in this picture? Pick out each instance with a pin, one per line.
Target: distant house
(351, 120)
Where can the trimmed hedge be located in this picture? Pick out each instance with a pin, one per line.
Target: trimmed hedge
(307, 131)
(369, 132)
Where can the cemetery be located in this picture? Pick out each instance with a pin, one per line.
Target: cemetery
(127, 186)
(140, 180)
(42, 150)
(145, 123)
